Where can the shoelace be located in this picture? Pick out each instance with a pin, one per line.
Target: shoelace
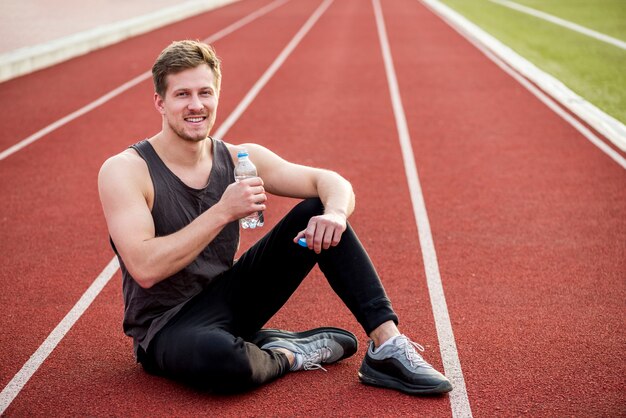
(411, 354)
(313, 361)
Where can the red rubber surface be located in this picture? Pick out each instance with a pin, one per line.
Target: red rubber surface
(528, 219)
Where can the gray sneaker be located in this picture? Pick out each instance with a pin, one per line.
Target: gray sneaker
(399, 366)
(311, 348)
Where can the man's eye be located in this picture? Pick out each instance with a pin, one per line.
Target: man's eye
(180, 94)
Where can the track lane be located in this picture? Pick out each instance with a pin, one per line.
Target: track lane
(459, 401)
(55, 232)
(339, 98)
(528, 218)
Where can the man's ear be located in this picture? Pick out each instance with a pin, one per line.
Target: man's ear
(158, 103)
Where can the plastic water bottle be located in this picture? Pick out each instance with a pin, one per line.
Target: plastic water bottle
(243, 170)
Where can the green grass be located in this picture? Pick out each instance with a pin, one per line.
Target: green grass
(604, 16)
(593, 69)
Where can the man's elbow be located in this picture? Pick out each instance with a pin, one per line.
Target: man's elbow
(351, 195)
(145, 283)
(143, 276)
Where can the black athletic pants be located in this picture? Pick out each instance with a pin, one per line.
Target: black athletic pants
(204, 344)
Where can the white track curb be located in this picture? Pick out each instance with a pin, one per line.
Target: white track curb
(608, 126)
(28, 59)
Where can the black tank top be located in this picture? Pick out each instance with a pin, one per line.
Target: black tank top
(146, 311)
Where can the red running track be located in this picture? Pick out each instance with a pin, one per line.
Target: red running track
(528, 218)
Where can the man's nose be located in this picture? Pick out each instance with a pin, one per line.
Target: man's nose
(195, 103)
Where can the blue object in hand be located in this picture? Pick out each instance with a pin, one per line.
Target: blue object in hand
(302, 242)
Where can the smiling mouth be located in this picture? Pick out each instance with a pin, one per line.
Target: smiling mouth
(195, 119)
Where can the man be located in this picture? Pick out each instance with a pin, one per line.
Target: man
(196, 315)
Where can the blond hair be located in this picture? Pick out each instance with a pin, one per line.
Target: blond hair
(184, 55)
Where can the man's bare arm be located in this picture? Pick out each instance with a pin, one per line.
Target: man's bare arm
(124, 186)
(283, 178)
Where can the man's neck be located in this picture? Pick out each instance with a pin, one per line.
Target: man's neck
(179, 152)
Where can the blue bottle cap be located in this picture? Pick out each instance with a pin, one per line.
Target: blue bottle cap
(302, 242)
(242, 153)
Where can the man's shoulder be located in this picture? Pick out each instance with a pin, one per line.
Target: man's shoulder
(127, 158)
(124, 163)
(235, 148)
(247, 146)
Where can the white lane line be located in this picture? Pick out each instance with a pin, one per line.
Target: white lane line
(13, 388)
(129, 84)
(74, 115)
(562, 22)
(459, 400)
(16, 384)
(243, 105)
(517, 67)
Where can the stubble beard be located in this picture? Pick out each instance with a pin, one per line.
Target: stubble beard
(180, 132)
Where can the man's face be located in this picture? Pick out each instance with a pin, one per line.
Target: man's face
(190, 103)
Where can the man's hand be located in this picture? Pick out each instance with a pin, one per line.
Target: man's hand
(244, 198)
(323, 231)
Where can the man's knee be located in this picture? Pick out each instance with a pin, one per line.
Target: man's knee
(310, 207)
